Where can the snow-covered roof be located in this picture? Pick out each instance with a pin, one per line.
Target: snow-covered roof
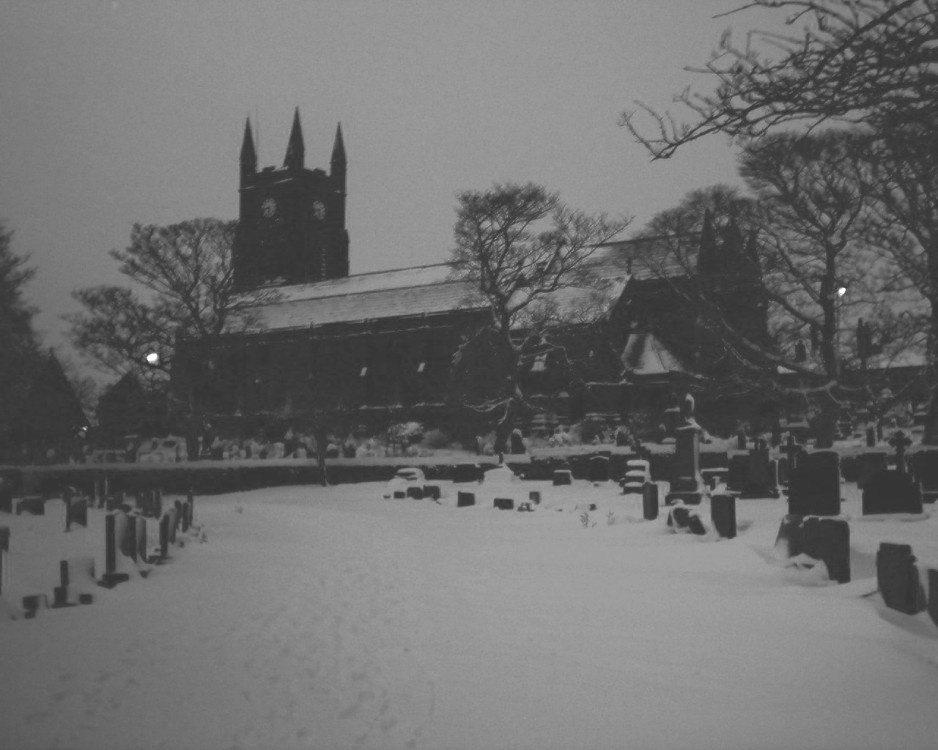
(420, 290)
(645, 356)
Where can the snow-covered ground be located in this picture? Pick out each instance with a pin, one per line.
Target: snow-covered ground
(331, 618)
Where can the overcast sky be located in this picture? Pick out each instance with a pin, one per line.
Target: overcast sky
(116, 112)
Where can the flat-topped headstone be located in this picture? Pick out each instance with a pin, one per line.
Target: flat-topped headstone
(413, 492)
(891, 491)
(431, 491)
(814, 489)
(465, 499)
(870, 436)
(898, 579)
(562, 477)
(650, 501)
(828, 540)
(599, 469)
(723, 514)
(504, 503)
(115, 543)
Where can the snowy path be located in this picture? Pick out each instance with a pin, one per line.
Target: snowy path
(332, 619)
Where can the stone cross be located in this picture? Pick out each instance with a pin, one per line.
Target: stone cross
(792, 450)
(900, 441)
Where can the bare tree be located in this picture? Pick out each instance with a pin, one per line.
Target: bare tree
(868, 61)
(185, 273)
(519, 245)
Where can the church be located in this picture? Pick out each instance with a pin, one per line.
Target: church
(379, 347)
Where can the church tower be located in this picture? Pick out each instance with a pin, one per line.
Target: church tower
(291, 220)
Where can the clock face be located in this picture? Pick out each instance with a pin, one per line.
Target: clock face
(269, 207)
(319, 210)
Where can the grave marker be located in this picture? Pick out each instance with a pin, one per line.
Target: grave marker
(414, 492)
(650, 501)
(900, 441)
(432, 491)
(790, 538)
(723, 515)
(925, 470)
(534, 496)
(465, 499)
(562, 477)
(898, 579)
(76, 582)
(4, 563)
(792, 451)
(599, 469)
(637, 472)
(504, 503)
(688, 486)
(814, 489)
(76, 512)
(889, 491)
(115, 532)
(933, 595)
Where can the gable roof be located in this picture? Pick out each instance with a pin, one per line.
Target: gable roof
(645, 356)
(424, 290)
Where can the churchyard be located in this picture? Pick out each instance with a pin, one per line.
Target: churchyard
(582, 606)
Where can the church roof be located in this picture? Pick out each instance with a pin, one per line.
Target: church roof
(421, 290)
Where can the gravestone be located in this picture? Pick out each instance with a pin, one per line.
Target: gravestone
(784, 472)
(164, 538)
(870, 436)
(190, 499)
(682, 517)
(754, 475)
(157, 503)
(180, 514)
(792, 452)
(76, 582)
(76, 512)
(399, 494)
(34, 505)
(688, 486)
(413, 492)
(465, 499)
(137, 538)
(723, 515)
(115, 532)
(814, 489)
(599, 469)
(504, 503)
(467, 473)
(925, 471)
(650, 501)
(187, 513)
(869, 464)
(432, 491)
(890, 491)
(173, 515)
(4, 564)
(637, 473)
(562, 477)
(900, 441)
(534, 496)
(898, 579)
(6, 496)
(828, 540)
(742, 441)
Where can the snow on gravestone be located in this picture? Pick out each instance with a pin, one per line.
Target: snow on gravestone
(599, 469)
(814, 489)
(687, 486)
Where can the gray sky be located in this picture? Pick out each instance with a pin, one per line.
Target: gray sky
(115, 112)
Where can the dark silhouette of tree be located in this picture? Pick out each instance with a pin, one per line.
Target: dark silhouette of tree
(518, 245)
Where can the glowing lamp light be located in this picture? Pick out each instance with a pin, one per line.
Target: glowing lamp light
(153, 359)
(841, 291)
